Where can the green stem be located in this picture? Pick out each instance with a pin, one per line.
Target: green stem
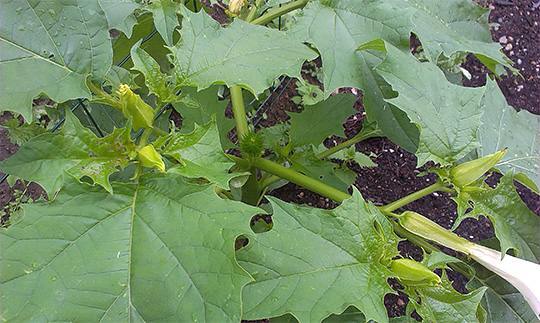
(300, 179)
(253, 11)
(239, 111)
(279, 11)
(359, 137)
(144, 137)
(412, 197)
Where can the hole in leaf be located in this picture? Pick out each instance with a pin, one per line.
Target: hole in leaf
(261, 223)
(240, 242)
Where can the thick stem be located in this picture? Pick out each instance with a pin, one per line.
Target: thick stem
(239, 111)
(359, 137)
(279, 11)
(253, 11)
(300, 179)
(438, 186)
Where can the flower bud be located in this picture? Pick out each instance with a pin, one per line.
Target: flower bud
(132, 105)
(149, 157)
(466, 173)
(413, 273)
(427, 229)
(237, 6)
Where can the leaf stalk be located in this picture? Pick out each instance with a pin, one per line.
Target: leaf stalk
(279, 11)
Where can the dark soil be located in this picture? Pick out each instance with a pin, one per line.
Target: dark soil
(397, 174)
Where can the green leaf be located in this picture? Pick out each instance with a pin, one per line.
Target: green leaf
(241, 54)
(319, 121)
(305, 161)
(119, 14)
(20, 134)
(65, 41)
(444, 304)
(106, 117)
(503, 127)
(157, 82)
(165, 18)
(515, 225)
(317, 262)
(200, 155)
(197, 107)
(350, 315)
(502, 301)
(74, 149)
(448, 115)
(338, 29)
(453, 26)
(350, 154)
(155, 46)
(157, 250)
(118, 75)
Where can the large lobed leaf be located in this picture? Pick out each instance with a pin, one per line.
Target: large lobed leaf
(51, 47)
(503, 127)
(317, 262)
(450, 26)
(75, 149)
(448, 115)
(241, 54)
(157, 250)
(337, 29)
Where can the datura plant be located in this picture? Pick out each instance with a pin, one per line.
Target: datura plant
(151, 220)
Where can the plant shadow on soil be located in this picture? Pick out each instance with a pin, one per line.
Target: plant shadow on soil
(518, 33)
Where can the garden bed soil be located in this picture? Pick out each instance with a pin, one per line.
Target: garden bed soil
(397, 175)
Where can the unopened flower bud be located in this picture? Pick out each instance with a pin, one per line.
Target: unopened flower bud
(413, 273)
(132, 105)
(149, 157)
(466, 173)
